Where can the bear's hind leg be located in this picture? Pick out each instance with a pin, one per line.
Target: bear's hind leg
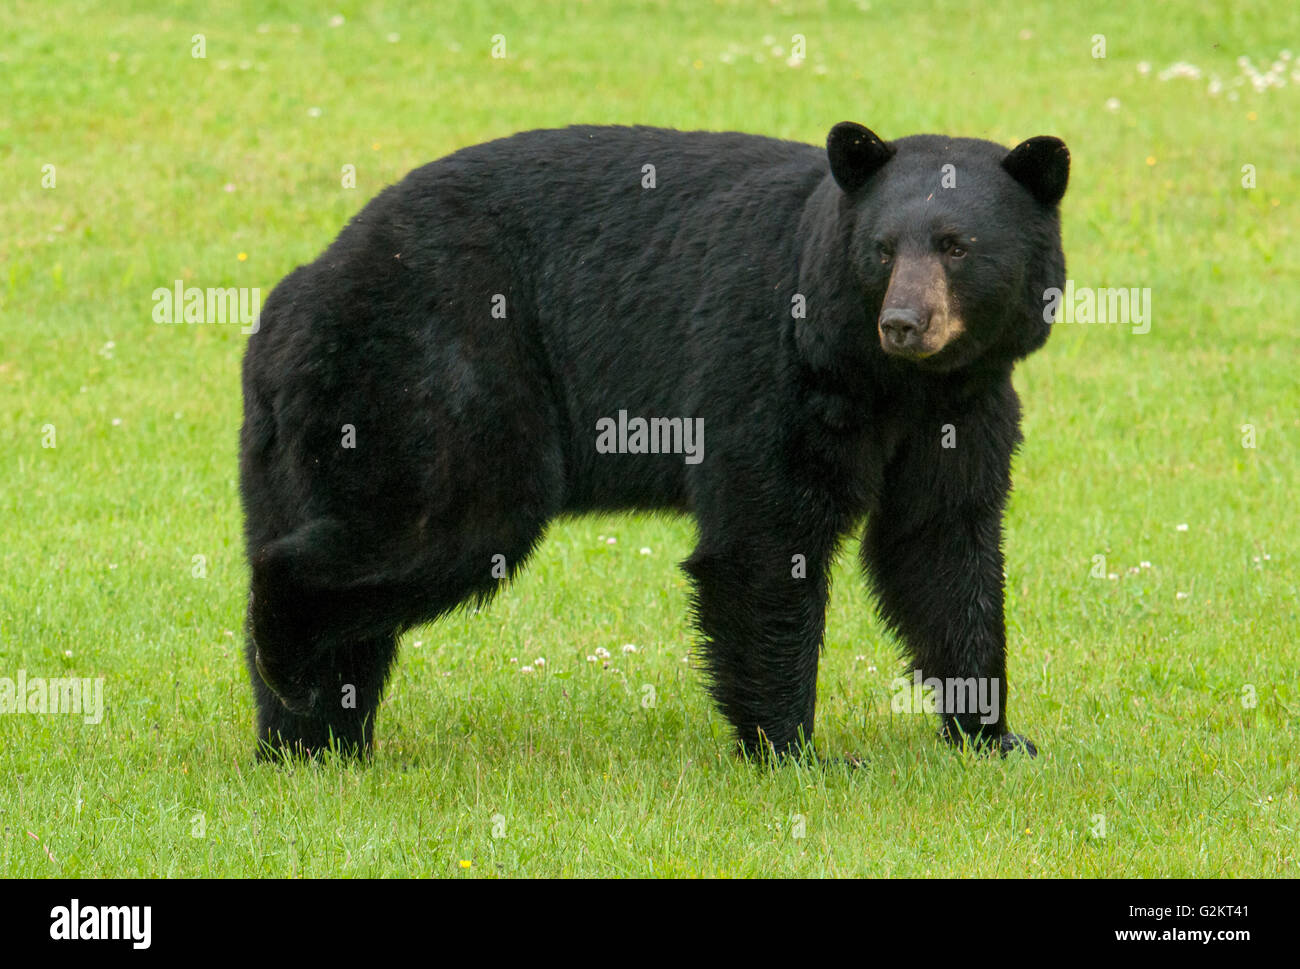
(318, 658)
(346, 686)
(326, 609)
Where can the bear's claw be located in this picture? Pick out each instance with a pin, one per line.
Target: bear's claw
(986, 743)
(1014, 741)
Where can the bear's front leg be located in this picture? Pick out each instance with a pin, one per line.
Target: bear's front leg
(938, 575)
(761, 605)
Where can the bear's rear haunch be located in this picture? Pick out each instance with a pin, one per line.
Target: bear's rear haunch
(778, 340)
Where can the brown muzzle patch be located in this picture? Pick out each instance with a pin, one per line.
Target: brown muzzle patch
(919, 317)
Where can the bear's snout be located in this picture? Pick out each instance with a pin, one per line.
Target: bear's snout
(918, 318)
(901, 329)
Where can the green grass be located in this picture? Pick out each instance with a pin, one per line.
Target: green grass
(169, 167)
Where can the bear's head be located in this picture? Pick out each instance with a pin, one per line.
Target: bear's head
(952, 242)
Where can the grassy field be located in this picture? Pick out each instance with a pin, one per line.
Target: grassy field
(1159, 682)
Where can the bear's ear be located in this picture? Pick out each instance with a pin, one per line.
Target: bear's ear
(1041, 165)
(855, 154)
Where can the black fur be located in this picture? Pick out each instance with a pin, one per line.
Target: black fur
(472, 432)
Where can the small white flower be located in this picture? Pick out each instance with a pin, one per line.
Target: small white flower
(629, 648)
(1144, 565)
(1144, 68)
(871, 668)
(525, 669)
(514, 659)
(336, 20)
(591, 659)
(1180, 595)
(611, 540)
(1112, 104)
(539, 662)
(393, 38)
(1181, 527)
(313, 112)
(1112, 576)
(67, 652)
(645, 550)
(602, 652)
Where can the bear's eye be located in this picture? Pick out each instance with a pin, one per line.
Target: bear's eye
(953, 249)
(884, 252)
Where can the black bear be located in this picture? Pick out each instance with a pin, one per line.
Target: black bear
(778, 340)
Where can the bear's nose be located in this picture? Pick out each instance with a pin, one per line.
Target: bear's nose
(901, 327)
